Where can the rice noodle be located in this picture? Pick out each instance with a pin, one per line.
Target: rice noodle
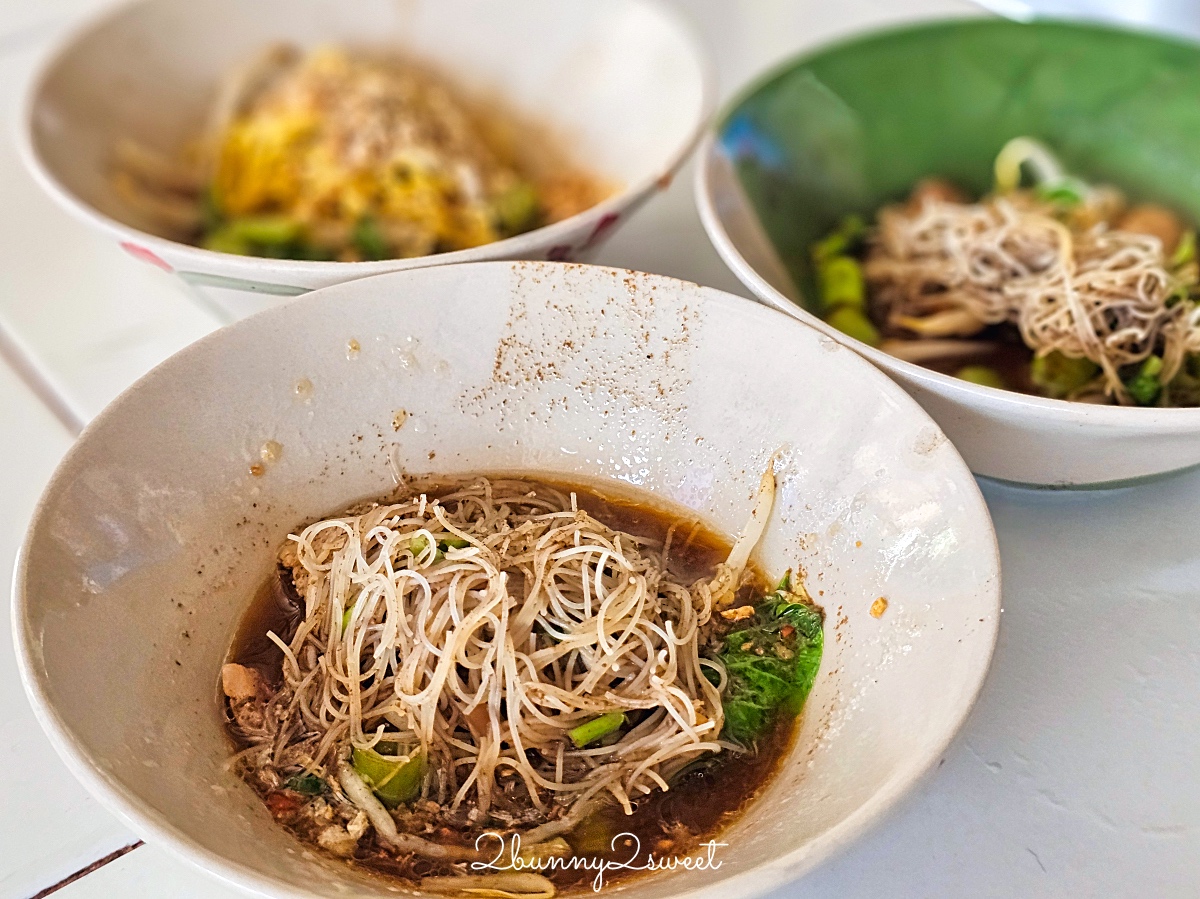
(1070, 286)
(483, 657)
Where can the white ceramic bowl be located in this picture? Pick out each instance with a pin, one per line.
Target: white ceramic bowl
(624, 84)
(1001, 434)
(153, 532)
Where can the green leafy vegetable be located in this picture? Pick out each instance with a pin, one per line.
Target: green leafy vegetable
(222, 240)
(1067, 192)
(771, 663)
(1180, 293)
(840, 282)
(1059, 376)
(592, 731)
(267, 230)
(420, 544)
(843, 240)
(272, 236)
(1185, 250)
(1145, 386)
(308, 784)
(368, 239)
(352, 602)
(516, 209)
(211, 216)
(854, 323)
(841, 288)
(394, 781)
(983, 375)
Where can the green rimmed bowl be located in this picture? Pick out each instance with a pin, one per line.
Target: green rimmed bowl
(852, 126)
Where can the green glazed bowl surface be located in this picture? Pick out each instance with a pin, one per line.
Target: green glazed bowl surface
(854, 125)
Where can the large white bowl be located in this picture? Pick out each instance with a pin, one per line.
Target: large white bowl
(153, 533)
(624, 84)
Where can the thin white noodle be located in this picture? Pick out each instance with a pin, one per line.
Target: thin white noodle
(429, 646)
(1081, 289)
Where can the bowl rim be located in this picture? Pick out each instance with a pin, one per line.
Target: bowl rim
(510, 247)
(156, 828)
(1170, 419)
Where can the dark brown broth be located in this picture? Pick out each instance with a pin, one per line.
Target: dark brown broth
(276, 608)
(675, 823)
(695, 549)
(665, 824)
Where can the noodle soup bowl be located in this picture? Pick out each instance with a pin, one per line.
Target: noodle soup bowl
(849, 128)
(154, 533)
(623, 88)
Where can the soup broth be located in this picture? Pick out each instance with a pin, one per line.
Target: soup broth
(704, 795)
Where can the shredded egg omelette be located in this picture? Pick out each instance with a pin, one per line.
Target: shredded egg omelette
(329, 155)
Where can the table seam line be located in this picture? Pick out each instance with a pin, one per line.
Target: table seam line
(88, 869)
(23, 364)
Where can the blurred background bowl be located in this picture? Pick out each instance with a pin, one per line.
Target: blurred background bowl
(849, 128)
(624, 85)
(154, 532)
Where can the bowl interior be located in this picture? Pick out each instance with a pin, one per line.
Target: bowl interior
(154, 532)
(854, 126)
(149, 70)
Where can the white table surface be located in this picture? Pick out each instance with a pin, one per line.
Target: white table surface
(1076, 774)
